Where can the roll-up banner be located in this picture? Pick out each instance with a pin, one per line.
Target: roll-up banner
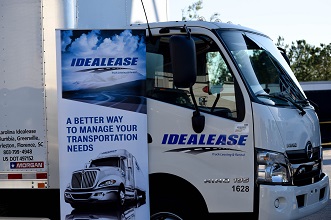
(102, 124)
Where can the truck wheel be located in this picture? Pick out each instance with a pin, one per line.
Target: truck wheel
(172, 209)
(142, 198)
(165, 216)
(179, 200)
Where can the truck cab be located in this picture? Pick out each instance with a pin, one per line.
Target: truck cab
(230, 129)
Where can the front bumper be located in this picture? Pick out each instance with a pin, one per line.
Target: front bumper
(93, 196)
(293, 202)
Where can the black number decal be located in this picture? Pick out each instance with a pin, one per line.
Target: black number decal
(240, 188)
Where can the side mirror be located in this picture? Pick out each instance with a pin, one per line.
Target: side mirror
(129, 162)
(184, 69)
(183, 58)
(283, 52)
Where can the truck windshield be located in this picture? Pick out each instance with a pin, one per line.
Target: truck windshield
(266, 72)
(110, 162)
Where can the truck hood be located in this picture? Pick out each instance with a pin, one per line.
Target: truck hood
(283, 129)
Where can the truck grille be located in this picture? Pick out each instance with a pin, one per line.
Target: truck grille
(83, 179)
(306, 170)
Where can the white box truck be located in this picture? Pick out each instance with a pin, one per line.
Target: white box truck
(230, 131)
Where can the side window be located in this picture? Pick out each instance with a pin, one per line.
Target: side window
(124, 168)
(220, 98)
(122, 165)
(215, 90)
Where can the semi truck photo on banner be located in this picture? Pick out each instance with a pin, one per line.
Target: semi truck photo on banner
(102, 124)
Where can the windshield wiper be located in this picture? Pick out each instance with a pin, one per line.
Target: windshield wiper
(284, 98)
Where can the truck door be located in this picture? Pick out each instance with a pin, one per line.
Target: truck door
(212, 169)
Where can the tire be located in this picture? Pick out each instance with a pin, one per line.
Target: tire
(142, 198)
(165, 216)
(180, 200)
(164, 208)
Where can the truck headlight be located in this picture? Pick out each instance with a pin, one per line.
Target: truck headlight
(107, 183)
(273, 167)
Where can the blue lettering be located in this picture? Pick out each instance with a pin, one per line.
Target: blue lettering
(232, 139)
(201, 139)
(96, 62)
(87, 61)
(80, 62)
(193, 139)
(110, 62)
(164, 140)
(134, 61)
(173, 139)
(68, 121)
(242, 139)
(221, 140)
(114, 119)
(182, 139)
(118, 62)
(211, 139)
(127, 61)
(79, 147)
(73, 61)
(103, 62)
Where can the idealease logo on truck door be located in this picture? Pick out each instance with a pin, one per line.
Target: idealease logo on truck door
(204, 139)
